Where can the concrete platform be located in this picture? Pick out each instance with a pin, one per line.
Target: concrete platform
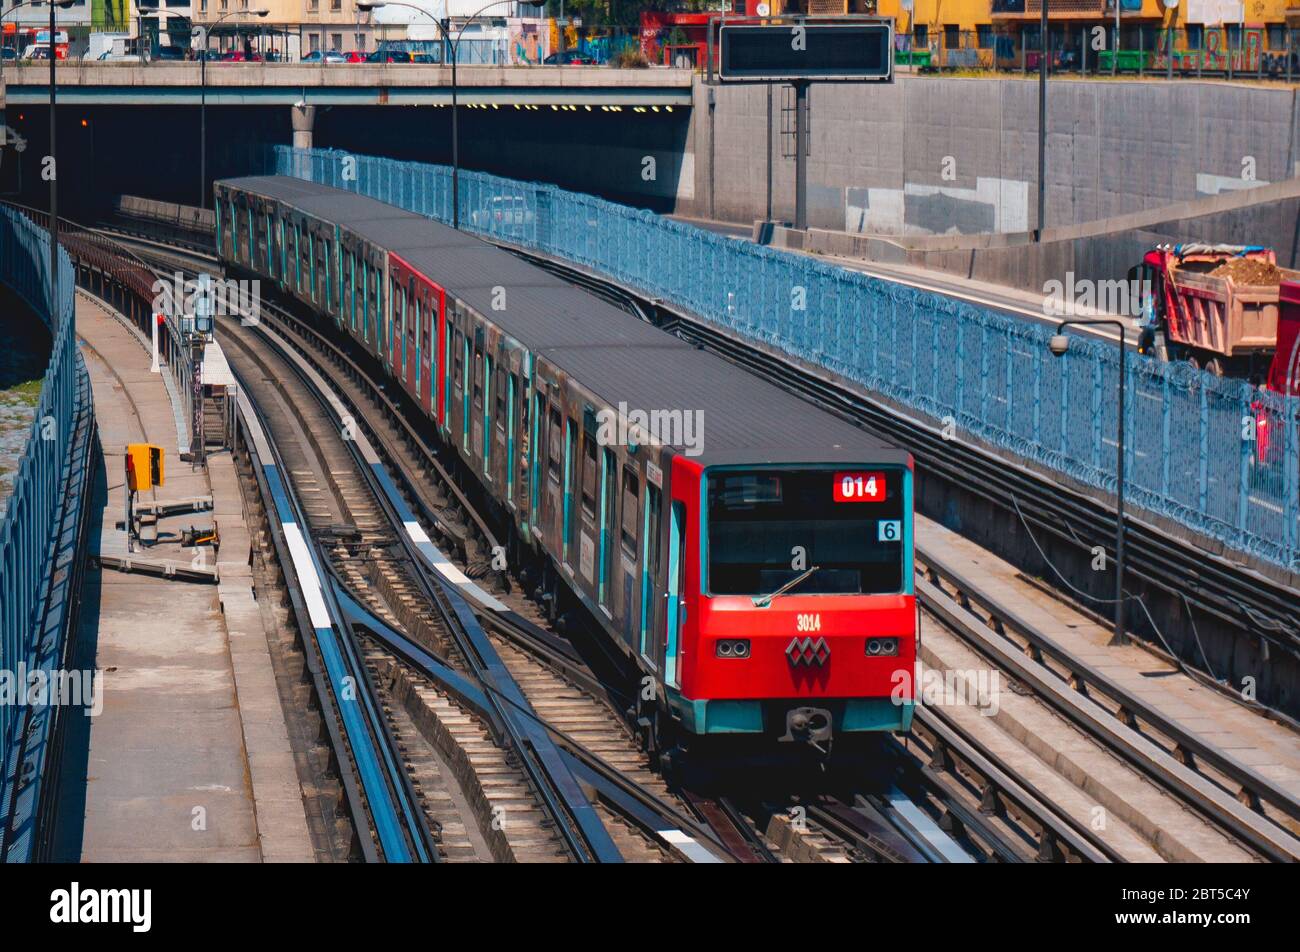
(189, 759)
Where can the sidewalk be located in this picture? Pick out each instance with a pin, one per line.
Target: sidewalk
(189, 759)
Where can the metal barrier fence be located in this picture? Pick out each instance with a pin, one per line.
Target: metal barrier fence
(28, 532)
(1216, 455)
(1088, 49)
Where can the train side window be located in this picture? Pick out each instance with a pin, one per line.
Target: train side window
(478, 377)
(570, 474)
(501, 400)
(325, 254)
(630, 510)
(458, 359)
(555, 446)
(374, 297)
(317, 264)
(415, 297)
(589, 476)
(608, 471)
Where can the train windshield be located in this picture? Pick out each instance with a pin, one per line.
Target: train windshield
(768, 528)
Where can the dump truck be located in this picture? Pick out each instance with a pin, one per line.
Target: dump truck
(1214, 306)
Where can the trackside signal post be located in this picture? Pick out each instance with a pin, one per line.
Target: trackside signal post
(800, 50)
(144, 471)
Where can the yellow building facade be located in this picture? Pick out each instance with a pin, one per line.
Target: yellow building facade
(1206, 34)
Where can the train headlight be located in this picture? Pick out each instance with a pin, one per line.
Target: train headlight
(732, 648)
(882, 647)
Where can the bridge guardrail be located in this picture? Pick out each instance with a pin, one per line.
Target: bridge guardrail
(1192, 441)
(40, 538)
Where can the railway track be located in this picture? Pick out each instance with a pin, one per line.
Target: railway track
(1023, 825)
(934, 800)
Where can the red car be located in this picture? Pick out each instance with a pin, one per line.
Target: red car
(239, 56)
(354, 57)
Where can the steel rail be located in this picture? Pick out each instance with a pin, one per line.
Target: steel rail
(578, 825)
(628, 797)
(1002, 788)
(1140, 752)
(385, 797)
(1190, 748)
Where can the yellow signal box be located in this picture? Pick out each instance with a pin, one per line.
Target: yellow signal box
(144, 466)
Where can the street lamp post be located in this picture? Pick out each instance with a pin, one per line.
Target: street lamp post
(206, 31)
(1043, 46)
(444, 27)
(1059, 344)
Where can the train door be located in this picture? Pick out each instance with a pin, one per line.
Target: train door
(489, 401)
(520, 408)
(415, 376)
(675, 601)
(509, 423)
(474, 413)
(463, 378)
(449, 350)
(608, 495)
(652, 640)
(553, 509)
(629, 521)
(538, 423)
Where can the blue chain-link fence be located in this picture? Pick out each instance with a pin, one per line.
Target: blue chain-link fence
(1216, 455)
(27, 533)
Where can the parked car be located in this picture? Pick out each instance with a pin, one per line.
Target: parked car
(8, 55)
(570, 58)
(168, 53)
(355, 56)
(324, 56)
(239, 56)
(389, 56)
(424, 58)
(108, 56)
(502, 213)
(40, 53)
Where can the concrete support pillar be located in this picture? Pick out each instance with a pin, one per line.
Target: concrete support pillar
(304, 117)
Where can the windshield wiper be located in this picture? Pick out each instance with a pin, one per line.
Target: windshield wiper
(764, 600)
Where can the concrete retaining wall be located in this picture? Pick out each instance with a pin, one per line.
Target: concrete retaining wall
(931, 155)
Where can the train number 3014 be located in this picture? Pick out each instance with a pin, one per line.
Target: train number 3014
(809, 622)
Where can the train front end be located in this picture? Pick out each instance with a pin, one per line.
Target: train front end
(801, 624)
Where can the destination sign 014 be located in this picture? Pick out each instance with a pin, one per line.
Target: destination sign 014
(807, 50)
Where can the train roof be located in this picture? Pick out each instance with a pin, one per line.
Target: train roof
(742, 418)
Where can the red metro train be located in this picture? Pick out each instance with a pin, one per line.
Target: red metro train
(751, 553)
